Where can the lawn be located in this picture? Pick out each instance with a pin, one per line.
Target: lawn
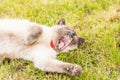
(98, 21)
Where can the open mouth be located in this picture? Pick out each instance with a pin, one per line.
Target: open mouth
(63, 42)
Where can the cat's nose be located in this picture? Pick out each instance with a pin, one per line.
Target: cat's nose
(73, 34)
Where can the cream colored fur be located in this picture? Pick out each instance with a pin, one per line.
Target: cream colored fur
(14, 32)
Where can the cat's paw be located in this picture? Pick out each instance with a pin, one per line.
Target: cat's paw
(73, 69)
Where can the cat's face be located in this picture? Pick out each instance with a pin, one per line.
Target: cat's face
(65, 38)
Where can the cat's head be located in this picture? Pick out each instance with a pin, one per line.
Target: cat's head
(65, 38)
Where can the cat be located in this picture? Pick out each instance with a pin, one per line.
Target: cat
(40, 44)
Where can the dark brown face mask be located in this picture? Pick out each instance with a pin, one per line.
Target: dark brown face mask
(67, 37)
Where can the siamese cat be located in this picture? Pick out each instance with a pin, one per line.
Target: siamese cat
(39, 44)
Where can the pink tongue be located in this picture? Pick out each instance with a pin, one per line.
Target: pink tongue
(61, 45)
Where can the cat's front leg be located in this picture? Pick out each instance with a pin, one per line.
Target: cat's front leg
(53, 65)
(34, 32)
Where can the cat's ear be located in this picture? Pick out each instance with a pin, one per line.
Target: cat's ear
(61, 21)
(80, 41)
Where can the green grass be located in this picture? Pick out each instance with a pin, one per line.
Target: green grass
(98, 21)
